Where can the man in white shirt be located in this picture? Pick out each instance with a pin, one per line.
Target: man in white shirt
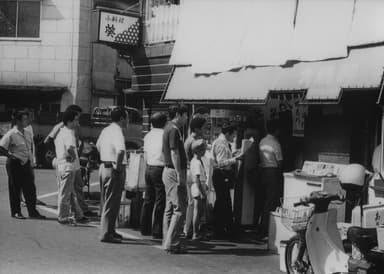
(111, 145)
(78, 184)
(223, 180)
(271, 160)
(16, 144)
(67, 167)
(154, 200)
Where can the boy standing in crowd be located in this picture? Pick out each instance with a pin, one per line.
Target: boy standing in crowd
(199, 187)
(196, 126)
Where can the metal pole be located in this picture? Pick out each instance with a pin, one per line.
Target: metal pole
(382, 140)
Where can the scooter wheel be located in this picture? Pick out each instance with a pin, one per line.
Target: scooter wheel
(293, 263)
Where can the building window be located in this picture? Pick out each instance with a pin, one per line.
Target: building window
(20, 18)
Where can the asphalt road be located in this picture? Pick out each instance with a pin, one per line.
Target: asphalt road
(45, 246)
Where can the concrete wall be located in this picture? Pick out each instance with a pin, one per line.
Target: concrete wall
(60, 57)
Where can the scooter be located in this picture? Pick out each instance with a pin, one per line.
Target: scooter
(318, 247)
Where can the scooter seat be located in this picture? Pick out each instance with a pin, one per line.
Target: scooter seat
(376, 257)
(363, 238)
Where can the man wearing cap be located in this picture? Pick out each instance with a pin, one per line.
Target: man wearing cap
(222, 180)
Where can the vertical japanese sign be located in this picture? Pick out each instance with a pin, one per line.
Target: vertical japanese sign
(287, 106)
(119, 29)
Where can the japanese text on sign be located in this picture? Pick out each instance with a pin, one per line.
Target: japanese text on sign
(118, 28)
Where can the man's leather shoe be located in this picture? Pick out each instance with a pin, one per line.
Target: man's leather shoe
(82, 220)
(37, 216)
(157, 236)
(18, 216)
(177, 250)
(90, 213)
(118, 236)
(112, 240)
(67, 221)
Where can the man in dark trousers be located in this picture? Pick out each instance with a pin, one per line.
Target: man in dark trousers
(271, 175)
(111, 145)
(174, 178)
(154, 200)
(16, 144)
(222, 179)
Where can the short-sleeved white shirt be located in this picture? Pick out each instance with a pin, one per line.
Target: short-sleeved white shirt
(153, 147)
(376, 159)
(197, 168)
(110, 142)
(55, 130)
(270, 151)
(64, 140)
(19, 144)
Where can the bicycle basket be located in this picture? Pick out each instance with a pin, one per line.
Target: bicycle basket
(296, 219)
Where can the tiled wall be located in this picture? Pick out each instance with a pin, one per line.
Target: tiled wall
(61, 57)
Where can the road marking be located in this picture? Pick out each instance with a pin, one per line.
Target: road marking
(55, 193)
(55, 212)
(50, 210)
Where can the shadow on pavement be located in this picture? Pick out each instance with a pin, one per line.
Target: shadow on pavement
(231, 251)
(47, 219)
(227, 248)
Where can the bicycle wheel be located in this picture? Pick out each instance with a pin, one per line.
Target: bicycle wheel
(296, 256)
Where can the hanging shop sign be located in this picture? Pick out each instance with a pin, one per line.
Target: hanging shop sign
(119, 28)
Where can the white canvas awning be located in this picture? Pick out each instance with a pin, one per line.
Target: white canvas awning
(323, 80)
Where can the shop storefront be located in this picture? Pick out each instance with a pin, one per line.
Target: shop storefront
(328, 109)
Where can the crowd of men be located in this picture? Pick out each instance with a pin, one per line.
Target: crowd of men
(175, 202)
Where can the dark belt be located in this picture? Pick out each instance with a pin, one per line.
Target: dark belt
(222, 169)
(107, 164)
(18, 161)
(155, 166)
(170, 166)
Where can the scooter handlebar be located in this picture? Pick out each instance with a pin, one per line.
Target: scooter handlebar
(300, 203)
(313, 199)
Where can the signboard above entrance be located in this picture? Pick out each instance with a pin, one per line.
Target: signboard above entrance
(119, 28)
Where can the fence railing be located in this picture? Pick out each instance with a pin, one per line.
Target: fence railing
(161, 24)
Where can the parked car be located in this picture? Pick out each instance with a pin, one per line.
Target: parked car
(101, 117)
